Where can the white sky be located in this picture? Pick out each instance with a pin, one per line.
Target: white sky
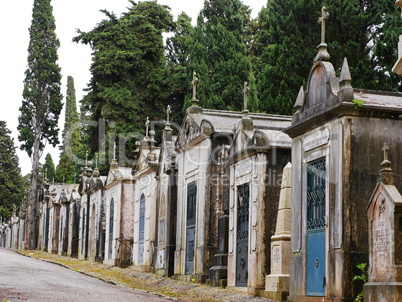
(74, 59)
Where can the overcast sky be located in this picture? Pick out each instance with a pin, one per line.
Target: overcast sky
(74, 59)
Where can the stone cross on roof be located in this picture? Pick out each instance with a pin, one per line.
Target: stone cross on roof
(168, 112)
(146, 127)
(245, 95)
(86, 159)
(385, 149)
(324, 16)
(114, 150)
(194, 83)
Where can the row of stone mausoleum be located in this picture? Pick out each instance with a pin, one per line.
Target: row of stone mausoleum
(284, 207)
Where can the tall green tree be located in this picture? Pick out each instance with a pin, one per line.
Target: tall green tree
(42, 100)
(49, 168)
(69, 165)
(129, 70)
(283, 51)
(218, 54)
(71, 132)
(177, 53)
(287, 36)
(385, 48)
(12, 185)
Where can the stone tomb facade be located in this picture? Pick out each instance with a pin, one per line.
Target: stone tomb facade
(144, 175)
(119, 197)
(96, 229)
(336, 133)
(64, 219)
(166, 205)
(203, 135)
(74, 223)
(259, 152)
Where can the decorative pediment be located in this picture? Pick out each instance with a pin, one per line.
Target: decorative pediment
(321, 86)
(113, 175)
(260, 140)
(189, 131)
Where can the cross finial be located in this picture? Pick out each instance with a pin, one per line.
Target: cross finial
(385, 149)
(114, 150)
(194, 83)
(324, 16)
(147, 126)
(245, 95)
(168, 112)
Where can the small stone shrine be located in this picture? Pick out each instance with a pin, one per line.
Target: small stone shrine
(385, 239)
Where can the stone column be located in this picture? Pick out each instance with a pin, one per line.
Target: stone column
(277, 283)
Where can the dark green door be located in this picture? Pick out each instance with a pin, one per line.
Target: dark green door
(190, 227)
(243, 194)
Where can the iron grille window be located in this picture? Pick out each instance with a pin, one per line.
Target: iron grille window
(142, 217)
(191, 203)
(316, 194)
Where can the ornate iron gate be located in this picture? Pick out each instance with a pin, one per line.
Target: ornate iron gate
(315, 285)
(243, 194)
(190, 228)
(141, 231)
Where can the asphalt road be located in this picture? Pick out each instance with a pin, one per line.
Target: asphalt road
(28, 279)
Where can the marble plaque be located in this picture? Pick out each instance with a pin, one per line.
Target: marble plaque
(316, 139)
(243, 167)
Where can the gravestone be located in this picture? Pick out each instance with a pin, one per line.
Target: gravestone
(385, 240)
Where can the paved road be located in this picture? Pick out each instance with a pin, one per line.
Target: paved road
(27, 279)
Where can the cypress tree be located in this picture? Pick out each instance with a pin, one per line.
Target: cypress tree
(49, 168)
(128, 72)
(41, 105)
(218, 54)
(12, 185)
(177, 53)
(68, 166)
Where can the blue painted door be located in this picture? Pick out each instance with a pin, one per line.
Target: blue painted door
(190, 227)
(316, 280)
